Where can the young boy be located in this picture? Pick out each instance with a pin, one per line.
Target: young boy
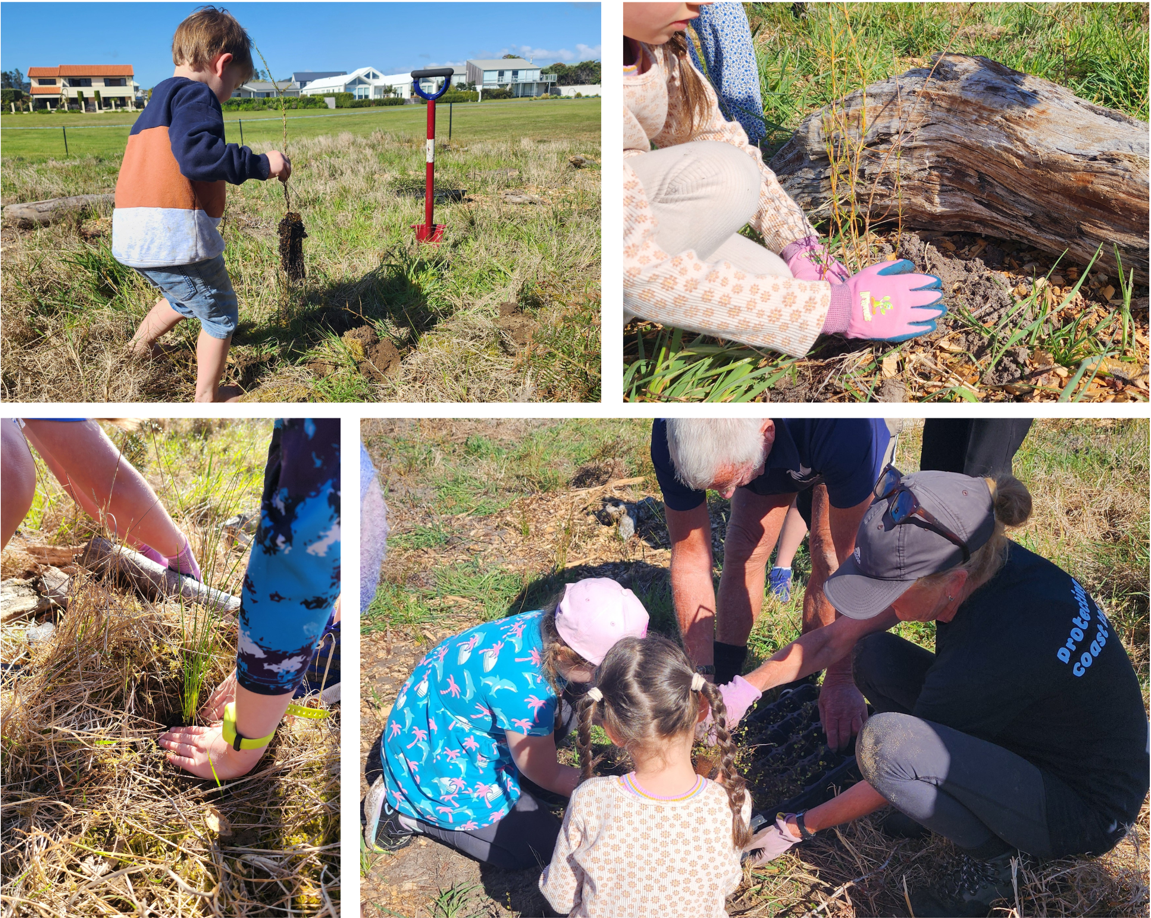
(170, 193)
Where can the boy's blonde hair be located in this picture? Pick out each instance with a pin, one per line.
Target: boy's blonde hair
(208, 33)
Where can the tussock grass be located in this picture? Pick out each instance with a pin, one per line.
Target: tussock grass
(69, 308)
(449, 568)
(95, 822)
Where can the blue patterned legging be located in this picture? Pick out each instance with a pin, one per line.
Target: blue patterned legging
(293, 575)
(725, 39)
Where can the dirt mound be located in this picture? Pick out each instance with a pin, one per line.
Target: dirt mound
(517, 327)
(375, 358)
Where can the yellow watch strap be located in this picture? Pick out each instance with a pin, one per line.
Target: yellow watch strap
(311, 713)
(233, 738)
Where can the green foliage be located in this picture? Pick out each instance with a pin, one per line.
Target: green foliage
(497, 93)
(8, 96)
(373, 103)
(585, 73)
(344, 99)
(246, 105)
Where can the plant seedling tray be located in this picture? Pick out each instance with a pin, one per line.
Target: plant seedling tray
(785, 758)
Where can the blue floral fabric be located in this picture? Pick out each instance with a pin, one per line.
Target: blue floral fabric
(730, 65)
(445, 757)
(293, 575)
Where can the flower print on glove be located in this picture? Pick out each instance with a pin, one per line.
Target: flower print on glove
(809, 260)
(886, 302)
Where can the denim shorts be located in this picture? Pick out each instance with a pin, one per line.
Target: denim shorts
(201, 291)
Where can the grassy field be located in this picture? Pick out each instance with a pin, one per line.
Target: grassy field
(506, 309)
(95, 822)
(38, 138)
(812, 55)
(490, 518)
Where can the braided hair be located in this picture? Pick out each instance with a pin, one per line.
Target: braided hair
(646, 692)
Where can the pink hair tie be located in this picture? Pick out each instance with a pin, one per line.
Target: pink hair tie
(697, 682)
(595, 694)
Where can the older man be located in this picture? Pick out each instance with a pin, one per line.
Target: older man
(761, 465)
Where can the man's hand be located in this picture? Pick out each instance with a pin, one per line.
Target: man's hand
(225, 692)
(279, 166)
(203, 752)
(842, 711)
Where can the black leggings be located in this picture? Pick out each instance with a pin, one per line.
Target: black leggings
(983, 797)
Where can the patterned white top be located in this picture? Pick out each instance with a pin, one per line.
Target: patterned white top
(628, 854)
(680, 290)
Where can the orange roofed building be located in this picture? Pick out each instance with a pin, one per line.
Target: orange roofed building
(76, 84)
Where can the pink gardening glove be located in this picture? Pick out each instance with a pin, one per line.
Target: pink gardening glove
(738, 695)
(809, 260)
(886, 302)
(772, 842)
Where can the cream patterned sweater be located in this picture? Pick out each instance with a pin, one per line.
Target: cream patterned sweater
(679, 290)
(621, 855)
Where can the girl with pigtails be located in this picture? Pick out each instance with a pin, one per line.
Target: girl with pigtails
(661, 840)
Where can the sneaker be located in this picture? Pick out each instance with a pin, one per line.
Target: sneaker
(382, 829)
(899, 825)
(971, 892)
(781, 583)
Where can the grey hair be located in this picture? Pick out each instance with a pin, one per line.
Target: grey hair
(700, 447)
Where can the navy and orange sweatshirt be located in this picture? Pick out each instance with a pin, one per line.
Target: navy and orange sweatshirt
(170, 193)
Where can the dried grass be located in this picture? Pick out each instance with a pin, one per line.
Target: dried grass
(95, 822)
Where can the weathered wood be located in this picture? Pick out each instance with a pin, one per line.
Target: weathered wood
(44, 212)
(18, 598)
(55, 555)
(55, 585)
(973, 145)
(151, 579)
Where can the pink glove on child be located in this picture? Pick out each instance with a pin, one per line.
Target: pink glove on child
(809, 260)
(886, 302)
(772, 842)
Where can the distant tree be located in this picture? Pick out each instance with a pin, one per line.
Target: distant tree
(13, 79)
(509, 57)
(557, 68)
(586, 73)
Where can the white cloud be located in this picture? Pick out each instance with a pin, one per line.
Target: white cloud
(582, 52)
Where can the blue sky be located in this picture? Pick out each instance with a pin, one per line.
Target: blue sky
(395, 37)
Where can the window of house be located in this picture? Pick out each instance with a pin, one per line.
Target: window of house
(46, 81)
(115, 81)
(80, 81)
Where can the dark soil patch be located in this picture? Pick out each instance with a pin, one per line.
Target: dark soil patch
(517, 328)
(292, 238)
(375, 358)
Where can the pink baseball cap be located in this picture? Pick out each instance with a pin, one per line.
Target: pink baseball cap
(597, 612)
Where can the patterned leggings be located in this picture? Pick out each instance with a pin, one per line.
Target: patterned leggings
(293, 576)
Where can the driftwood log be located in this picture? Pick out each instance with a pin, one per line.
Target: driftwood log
(150, 578)
(44, 212)
(968, 144)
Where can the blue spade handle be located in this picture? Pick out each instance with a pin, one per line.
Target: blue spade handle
(446, 72)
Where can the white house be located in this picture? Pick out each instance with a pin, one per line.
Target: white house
(265, 89)
(522, 77)
(365, 83)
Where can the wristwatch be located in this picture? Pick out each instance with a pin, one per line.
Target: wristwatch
(803, 831)
(708, 669)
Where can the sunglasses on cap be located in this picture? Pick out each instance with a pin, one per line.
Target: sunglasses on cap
(902, 504)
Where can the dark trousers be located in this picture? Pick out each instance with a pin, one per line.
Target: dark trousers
(983, 797)
(973, 446)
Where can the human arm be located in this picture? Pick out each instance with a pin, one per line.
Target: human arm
(859, 800)
(729, 57)
(562, 880)
(535, 757)
(816, 650)
(196, 135)
(692, 591)
(842, 709)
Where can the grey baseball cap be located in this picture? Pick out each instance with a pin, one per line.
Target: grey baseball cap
(890, 557)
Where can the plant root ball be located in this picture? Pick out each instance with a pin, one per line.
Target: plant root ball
(292, 238)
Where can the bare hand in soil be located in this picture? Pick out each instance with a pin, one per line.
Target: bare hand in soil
(842, 711)
(204, 752)
(225, 692)
(279, 166)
